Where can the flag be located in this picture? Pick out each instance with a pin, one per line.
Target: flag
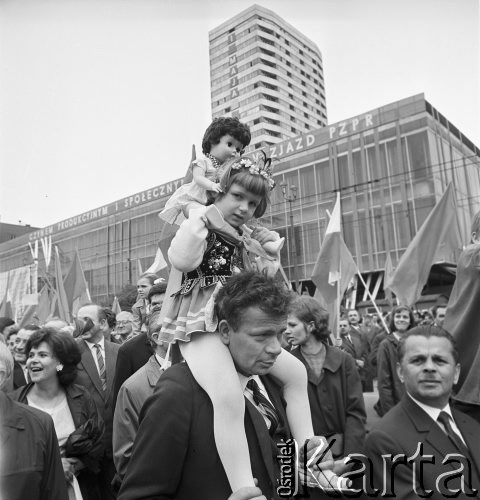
(438, 239)
(75, 285)
(387, 277)
(139, 268)
(29, 316)
(63, 307)
(6, 309)
(44, 305)
(161, 265)
(335, 266)
(116, 306)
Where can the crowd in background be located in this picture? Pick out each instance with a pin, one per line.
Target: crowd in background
(93, 376)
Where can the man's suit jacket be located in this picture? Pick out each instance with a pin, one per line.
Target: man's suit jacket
(174, 454)
(87, 375)
(131, 397)
(401, 431)
(19, 379)
(132, 355)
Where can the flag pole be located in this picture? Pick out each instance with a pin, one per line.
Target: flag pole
(380, 315)
(337, 332)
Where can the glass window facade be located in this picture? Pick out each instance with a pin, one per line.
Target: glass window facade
(390, 165)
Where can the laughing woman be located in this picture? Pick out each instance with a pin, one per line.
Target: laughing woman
(52, 359)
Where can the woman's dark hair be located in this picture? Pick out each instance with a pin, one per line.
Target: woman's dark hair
(222, 126)
(64, 348)
(397, 309)
(308, 310)
(4, 322)
(111, 318)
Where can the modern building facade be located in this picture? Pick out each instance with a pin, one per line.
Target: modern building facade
(268, 74)
(391, 165)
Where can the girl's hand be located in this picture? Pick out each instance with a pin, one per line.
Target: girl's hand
(263, 235)
(67, 470)
(71, 467)
(216, 188)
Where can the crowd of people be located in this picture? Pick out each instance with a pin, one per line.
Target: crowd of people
(197, 392)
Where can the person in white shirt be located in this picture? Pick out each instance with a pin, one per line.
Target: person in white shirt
(96, 372)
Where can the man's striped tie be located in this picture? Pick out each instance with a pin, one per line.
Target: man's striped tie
(444, 419)
(101, 366)
(262, 401)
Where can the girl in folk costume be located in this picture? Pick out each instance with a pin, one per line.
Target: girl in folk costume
(225, 138)
(204, 254)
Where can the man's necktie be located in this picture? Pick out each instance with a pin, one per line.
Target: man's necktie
(101, 366)
(444, 419)
(262, 401)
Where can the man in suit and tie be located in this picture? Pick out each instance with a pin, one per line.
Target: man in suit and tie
(174, 454)
(20, 372)
(96, 371)
(356, 344)
(134, 353)
(423, 430)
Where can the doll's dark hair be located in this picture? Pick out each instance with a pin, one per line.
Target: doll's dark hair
(222, 126)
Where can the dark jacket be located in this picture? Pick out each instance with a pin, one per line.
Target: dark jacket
(19, 379)
(336, 400)
(390, 388)
(88, 377)
(175, 456)
(359, 349)
(400, 433)
(85, 417)
(30, 465)
(132, 355)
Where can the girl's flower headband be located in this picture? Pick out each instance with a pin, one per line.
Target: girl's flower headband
(257, 164)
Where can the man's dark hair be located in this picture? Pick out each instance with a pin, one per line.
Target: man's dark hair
(222, 126)
(157, 289)
(13, 331)
(64, 348)
(250, 289)
(4, 322)
(427, 331)
(111, 318)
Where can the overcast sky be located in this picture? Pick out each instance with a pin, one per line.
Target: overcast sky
(100, 99)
